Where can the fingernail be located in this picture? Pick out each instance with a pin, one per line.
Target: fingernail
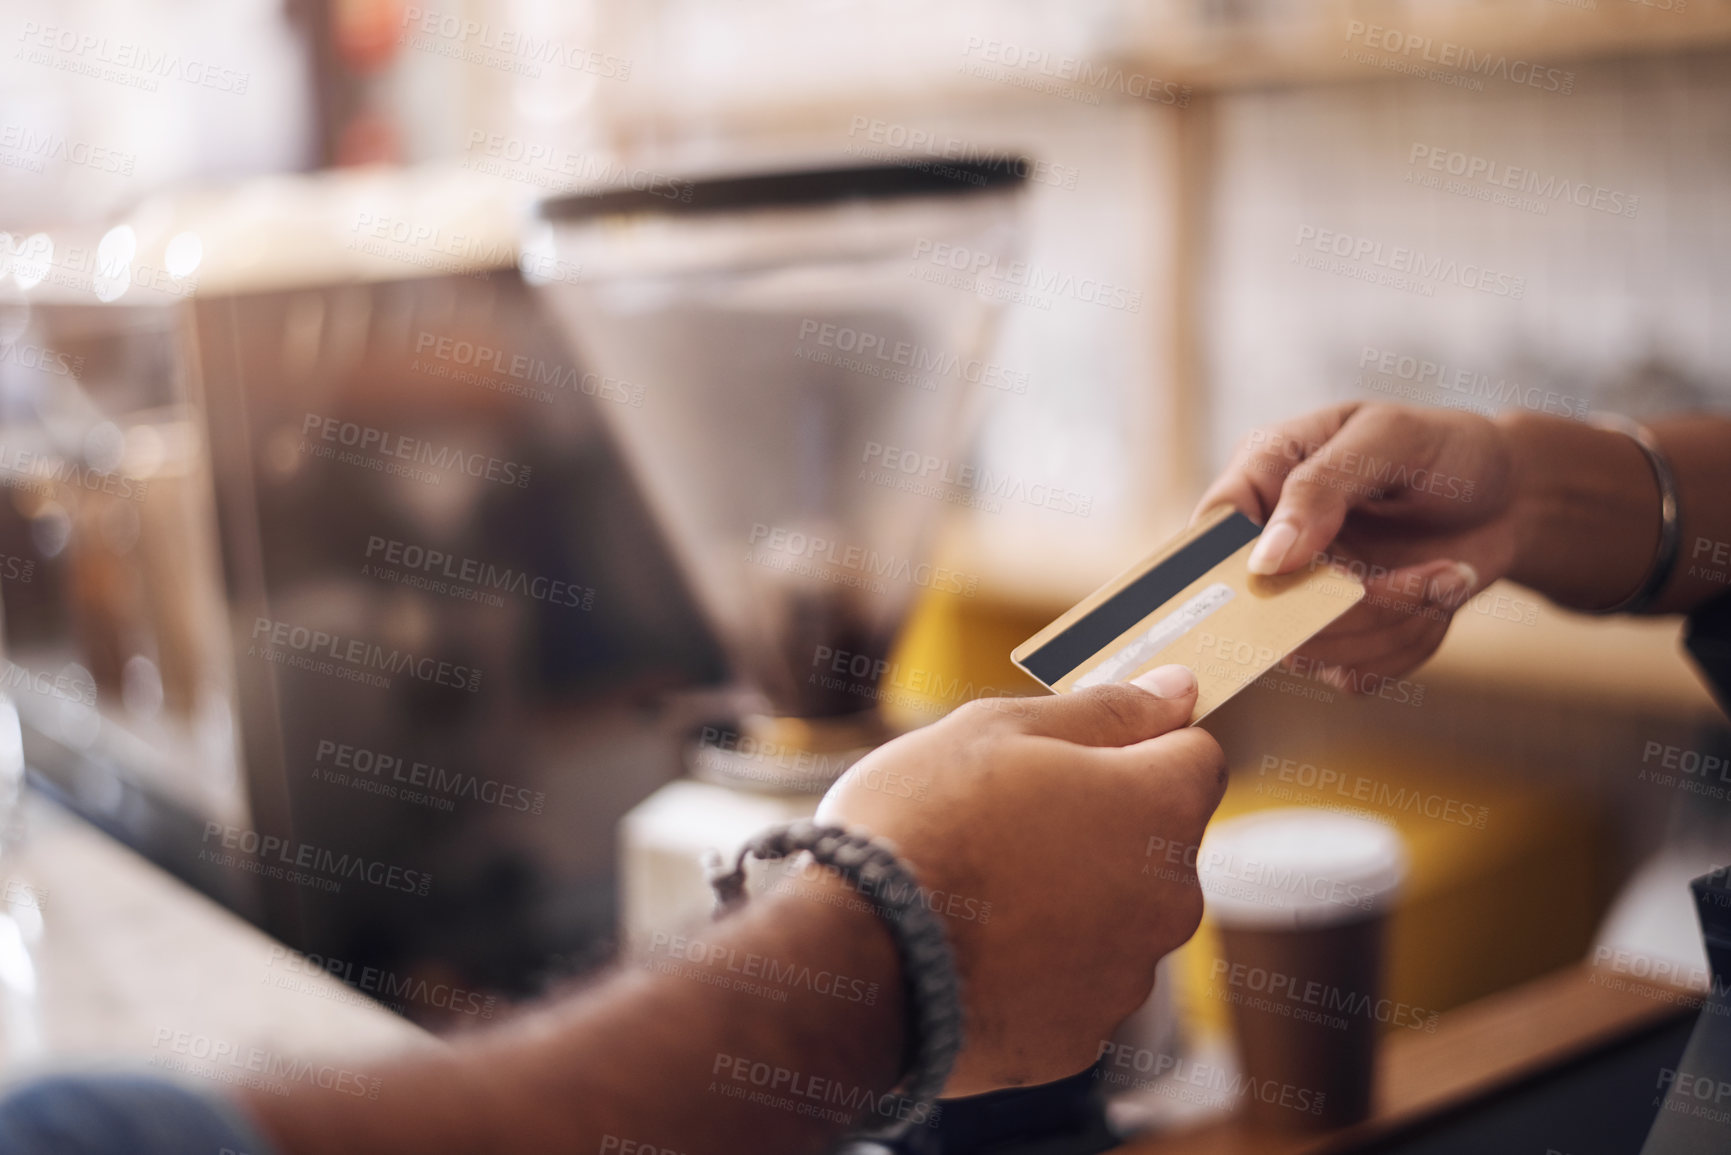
(1272, 547)
(1167, 681)
(1451, 585)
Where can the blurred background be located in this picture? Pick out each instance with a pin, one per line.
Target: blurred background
(296, 345)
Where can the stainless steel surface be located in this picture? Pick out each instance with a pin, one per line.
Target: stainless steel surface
(778, 350)
(502, 620)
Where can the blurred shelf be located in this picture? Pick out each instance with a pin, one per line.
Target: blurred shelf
(1627, 664)
(1278, 41)
(1156, 54)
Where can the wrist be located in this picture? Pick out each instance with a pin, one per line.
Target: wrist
(1583, 510)
(835, 914)
(1533, 497)
(796, 994)
(878, 881)
(841, 933)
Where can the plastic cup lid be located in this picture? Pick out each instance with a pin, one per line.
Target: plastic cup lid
(1299, 867)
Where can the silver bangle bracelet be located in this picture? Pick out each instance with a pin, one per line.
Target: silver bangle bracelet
(932, 988)
(1670, 531)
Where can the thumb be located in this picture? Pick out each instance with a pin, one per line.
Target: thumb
(1313, 506)
(1118, 714)
(1337, 478)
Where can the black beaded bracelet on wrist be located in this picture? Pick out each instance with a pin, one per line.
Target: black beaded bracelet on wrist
(932, 988)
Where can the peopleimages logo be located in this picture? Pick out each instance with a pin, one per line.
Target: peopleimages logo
(405, 453)
(1497, 176)
(383, 985)
(871, 676)
(1363, 258)
(428, 246)
(275, 857)
(1239, 659)
(41, 357)
(36, 147)
(882, 894)
(1084, 80)
(1717, 567)
(227, 1062)
(1469, 384)
(987, 270)
(825, 559)
(866, 347)
(1666, 971)
(1356, 787)
(71, 684)
(1295, 997)
(550, 166)
(448, 573)
(615, 1145)
(355, 659)
(45, 473)
(811, 1095)
(975, 485)
(1409, 51)
(750, 965)
(468, 39)
(1346, 469)
(522, 367)
(36, 260)
(923, 150)
(763, 761)
(1689, 1093)
(1119, 1063)
(122, 61)
(1225, 873)
(395, 775)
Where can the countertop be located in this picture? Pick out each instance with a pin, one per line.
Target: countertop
(107, 961)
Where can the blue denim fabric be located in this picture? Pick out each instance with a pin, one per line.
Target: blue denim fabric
(121, 1115)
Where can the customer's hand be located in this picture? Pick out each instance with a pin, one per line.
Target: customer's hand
(1421, 499)
(1029, 820)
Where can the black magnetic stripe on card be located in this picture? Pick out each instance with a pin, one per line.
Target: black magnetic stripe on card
(1137, 600)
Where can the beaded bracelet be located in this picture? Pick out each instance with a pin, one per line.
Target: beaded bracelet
(933, 991)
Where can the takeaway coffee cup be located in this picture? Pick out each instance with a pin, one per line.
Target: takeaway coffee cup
(1300, 898)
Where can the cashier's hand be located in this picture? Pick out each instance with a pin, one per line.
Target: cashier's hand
(1028, 821)
(1417, 501)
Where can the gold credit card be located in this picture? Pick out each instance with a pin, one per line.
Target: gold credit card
(1193, 602)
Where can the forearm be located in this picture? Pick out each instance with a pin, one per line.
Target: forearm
(730, 1049)
(1587, 507)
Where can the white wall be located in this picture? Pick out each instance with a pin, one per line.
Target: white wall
(1605, 299)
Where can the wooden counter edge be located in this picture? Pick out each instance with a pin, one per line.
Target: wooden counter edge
(1477, 1048)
